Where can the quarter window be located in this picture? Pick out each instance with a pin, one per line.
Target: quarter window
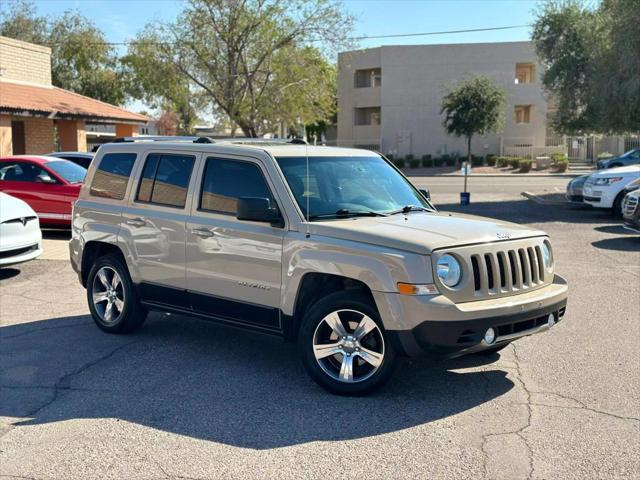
(112, 176)
(23, 172)
(165, 179)
(225, 181)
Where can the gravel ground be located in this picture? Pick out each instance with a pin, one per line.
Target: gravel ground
(183, 398)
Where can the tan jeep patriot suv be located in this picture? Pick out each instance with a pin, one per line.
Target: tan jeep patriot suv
(331, 248)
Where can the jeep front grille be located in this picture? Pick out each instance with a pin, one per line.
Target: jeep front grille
(507, 270)
(497, 269)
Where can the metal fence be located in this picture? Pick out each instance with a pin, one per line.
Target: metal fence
(584, 149)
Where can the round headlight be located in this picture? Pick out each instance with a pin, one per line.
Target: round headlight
(449, 271)
(546, 256)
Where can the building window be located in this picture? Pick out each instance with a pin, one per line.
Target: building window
(522, 114)
(367, 116)
(524, 73)
(368, 78)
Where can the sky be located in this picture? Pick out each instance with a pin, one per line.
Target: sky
(121, 19)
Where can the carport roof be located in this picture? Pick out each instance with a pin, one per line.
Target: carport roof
(54, 102)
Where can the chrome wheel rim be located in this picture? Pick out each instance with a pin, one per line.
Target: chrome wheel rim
(108, 295)
(348, 346)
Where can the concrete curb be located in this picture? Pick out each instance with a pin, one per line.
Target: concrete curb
(542, 201)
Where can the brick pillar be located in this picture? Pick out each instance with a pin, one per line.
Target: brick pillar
(123, 130)
(38, 134)
(72, 135)
(6, 144)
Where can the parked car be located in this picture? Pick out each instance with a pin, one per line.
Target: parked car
(48, 185)
(605, 189)
(328, 247)
(632, 157)
(80, 158)
(631, 206)
(20, 236)
(574, 189)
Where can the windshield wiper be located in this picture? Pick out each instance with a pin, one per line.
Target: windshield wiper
(409, 208)
(345, 213)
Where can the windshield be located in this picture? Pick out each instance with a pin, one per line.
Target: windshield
(346, 185)
(71, 172)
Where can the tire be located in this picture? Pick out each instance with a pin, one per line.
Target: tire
(118, 309)
(616, 208)
(491, 351)
(339, 315)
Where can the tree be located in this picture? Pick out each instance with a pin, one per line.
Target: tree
(81, 59)
(591, 57)
(252, 59)
(475, 107)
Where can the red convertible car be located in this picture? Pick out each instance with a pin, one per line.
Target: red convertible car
(49, 185)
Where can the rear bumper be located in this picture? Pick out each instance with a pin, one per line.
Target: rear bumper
(436, 326)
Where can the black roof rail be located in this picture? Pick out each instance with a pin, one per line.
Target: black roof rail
(163, 138)
(265, 141)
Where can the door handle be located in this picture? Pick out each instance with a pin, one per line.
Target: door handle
(202, 232)
(136, 222)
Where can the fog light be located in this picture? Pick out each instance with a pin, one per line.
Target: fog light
(551, 320)
(490, 336)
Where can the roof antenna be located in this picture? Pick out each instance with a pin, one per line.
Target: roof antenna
(306, 192)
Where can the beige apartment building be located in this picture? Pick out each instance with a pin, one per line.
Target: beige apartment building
(389, 98)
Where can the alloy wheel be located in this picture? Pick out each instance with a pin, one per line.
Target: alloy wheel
(108, 295)
(348, 345)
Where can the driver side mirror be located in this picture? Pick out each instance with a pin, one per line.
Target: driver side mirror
(259, 209)
(425, 193)
(44, 178)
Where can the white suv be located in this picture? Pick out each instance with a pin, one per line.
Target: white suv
(331, 248)
(605, 188)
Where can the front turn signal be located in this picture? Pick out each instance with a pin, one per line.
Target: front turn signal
(413, 289)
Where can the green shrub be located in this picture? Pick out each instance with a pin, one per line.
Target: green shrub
(450, 161)
(438, 161)
(427, 161)
(398, 162)
(390, 157)
(491, 160)
(502, 162)
(525, 165)
(558, 157)
(562, 165)
(413, 162)
(477, 161)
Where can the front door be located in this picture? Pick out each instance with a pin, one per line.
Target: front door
(154, 223)
(233, 266)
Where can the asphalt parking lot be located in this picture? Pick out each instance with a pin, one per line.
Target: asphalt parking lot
(183, 398)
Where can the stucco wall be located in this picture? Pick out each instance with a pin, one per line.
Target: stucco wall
(414, 80)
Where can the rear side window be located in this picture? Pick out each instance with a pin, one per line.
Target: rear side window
(225, 181)
(112, 176)
(165, 179)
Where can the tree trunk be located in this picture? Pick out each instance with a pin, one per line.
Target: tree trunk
(468, 163)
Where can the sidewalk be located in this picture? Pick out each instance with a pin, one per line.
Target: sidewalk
(451, 172)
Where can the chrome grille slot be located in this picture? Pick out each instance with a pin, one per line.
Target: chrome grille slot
(500, 269)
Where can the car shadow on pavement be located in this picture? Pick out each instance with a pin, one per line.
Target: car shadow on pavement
(206, 381)
(622, 244)
(526, 211)
(8, 272)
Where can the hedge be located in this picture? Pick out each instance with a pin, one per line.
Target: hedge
(525, 165)
(562, 165)
(491, 160)
(427, 161)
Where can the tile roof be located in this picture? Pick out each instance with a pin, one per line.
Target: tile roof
(44, 100)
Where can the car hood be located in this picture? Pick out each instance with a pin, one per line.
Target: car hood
(629, 169)
(422, 232)
(11, 208)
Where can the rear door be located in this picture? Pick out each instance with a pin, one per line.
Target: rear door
(154, 223)
(233, 266)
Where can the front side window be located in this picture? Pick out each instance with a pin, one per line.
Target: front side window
(347, 184)
(112, 176)
(165, 179)
(70, 171)
(224, 181)
(24, 172)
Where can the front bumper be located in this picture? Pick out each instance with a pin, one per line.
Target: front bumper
(435, 326)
